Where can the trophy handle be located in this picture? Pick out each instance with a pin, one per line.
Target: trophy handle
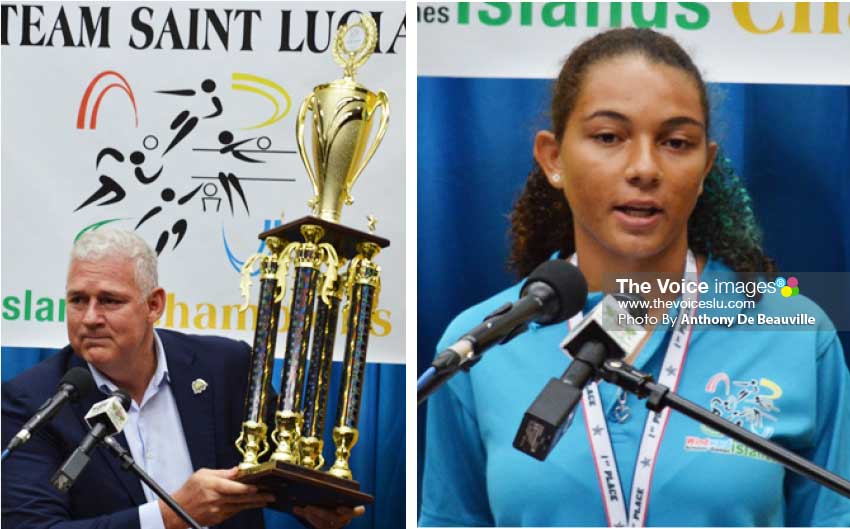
(331, 273)
(264, 447)
(306, 105)
(383, 101)
(245, 280)
(282, 266)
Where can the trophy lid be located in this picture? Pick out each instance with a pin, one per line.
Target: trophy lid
(353, 44)
(343, 112)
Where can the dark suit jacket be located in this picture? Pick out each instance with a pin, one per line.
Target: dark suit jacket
(106, 496)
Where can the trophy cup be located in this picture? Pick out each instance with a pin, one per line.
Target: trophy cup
(334, 272)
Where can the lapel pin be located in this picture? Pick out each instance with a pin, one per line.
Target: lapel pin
(199, 385)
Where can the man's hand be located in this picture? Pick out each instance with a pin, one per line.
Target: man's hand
(212, 496)
(320, 518)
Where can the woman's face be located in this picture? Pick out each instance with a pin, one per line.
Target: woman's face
(633, 156)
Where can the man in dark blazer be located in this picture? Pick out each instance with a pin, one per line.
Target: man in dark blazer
(210, 420)
(113, 301)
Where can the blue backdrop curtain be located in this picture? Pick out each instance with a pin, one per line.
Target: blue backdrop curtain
(790, 143)
(378, 458)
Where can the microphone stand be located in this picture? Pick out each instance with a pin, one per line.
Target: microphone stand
(659, 396)
(127, 463)
(429, 382)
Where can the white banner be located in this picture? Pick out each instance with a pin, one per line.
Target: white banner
(771, 42)
(178, 120)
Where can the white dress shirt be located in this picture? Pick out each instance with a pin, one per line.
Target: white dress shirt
(155, 437)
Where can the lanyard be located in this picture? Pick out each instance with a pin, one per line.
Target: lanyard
(653, 431)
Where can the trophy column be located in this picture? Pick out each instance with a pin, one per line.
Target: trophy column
(363, 287)
(252, 442)
(318, 378)
(309, 258)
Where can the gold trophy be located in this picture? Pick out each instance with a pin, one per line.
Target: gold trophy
(334, 272)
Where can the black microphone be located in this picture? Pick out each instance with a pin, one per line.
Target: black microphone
(610, 331)
(77, 383)
(105, 418)
(554, 291)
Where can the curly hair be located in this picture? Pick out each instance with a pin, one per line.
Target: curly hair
(722, 223)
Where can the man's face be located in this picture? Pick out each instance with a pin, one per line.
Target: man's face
(110, 321)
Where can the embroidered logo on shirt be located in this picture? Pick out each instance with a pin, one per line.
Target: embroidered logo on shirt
(751, 404)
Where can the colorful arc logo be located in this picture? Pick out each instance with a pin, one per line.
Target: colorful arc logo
(103, 78)
(788, 288)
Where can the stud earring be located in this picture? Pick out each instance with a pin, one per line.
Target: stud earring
(556, 177)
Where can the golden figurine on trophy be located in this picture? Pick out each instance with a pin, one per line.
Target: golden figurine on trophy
(334, 267)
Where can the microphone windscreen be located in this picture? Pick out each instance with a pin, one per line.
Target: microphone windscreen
(81, 380)
(568, 284)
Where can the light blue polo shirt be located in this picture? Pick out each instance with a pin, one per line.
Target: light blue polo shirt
(787, 384)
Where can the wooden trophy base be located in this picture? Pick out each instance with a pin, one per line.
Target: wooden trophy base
(296, 486)
(343, 238)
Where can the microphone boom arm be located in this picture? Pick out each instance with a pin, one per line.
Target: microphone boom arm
(659, 396)
(128, 463)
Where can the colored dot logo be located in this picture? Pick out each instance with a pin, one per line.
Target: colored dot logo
(788, 288)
